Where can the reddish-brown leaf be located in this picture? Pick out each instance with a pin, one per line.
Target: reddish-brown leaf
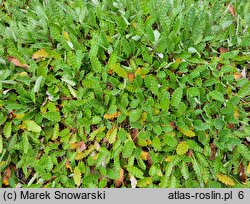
(16, 62)
(172, 124)
(6, 176)
(110, 72)
(131, 77)
(223, 50)
(119, 181)
(190, 153)
(230, 126)
(231, 10)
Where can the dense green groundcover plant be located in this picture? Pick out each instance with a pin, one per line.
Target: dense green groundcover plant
(125, 93)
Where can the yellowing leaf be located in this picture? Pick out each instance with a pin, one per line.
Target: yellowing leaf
(139, 72)
(1, 144)
(111, 135)
(237, 75)
(96, 156)
(119, 70)
(2, 163)
(66, 36)
(144, 155)
(178, 60)
(6, 181)
(225, 179)
(67, 165)
(22, 74)
(169, 158)
(144, 116)
(77, 176)
(40, 54)
(186, 131)
(19, 116)
(248, 168)
(112, 116)
(236, 113)
(96, 132)
(182, 148)
(79, 145)
(149, 142)
(85, 153)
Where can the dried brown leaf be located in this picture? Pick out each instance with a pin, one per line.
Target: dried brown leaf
(80, 145)
(119, 181)
(242, 173)
(134, 133)
(213, 151)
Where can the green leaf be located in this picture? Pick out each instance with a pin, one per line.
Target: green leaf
(194, 146)
(135, 171)
(31, 125)
(193, 91)
(184, 170)
(217, 96)
(232, 54)
(128, 148)
(197, 170)
(111, 135)
(96, 132)
(165, 102)
(174, 182)
(38, 84)
(53, 116)
(170, 140)
(176, 97)
(77, 176)
(144, 182)
(55, 132)
(120, 71)
(135, 115)
(244, 91)
(25, 143)
(7, 129)
(156, 143)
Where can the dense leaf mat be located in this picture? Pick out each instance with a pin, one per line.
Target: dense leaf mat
(126, 93)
